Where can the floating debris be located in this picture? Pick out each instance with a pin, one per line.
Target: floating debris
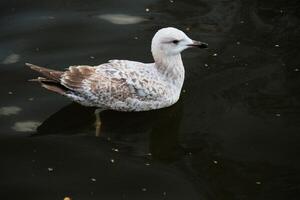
(92, 57)
(171, 1)
(37, 49)
(108, 139)
(233, 57)
(12, 58)
(144, 189)
(26, 126)
(30, 99)
(187, 28)
(67, 198)
(164, 193)
(149, 154)
(147, 9)
(122, 19)
(242, 21)
(215, 54)
(277, 114)
(190, 153)
(258, 182)
(115, 149)
(147, 164)
(238, 43)
(215, 162)
(112, 160)
(9, 110)
(136, 38)
(205, 65)
(10, 92)
(183, 91)
(93, 179)
(50, 169)
(277, 45)
(296, 70)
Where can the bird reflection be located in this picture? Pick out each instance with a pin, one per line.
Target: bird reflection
(138, 133)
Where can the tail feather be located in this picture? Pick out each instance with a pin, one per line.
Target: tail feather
(51, 81)
(48, 73)
(54, 88)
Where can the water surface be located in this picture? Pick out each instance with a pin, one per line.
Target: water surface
(234, 134)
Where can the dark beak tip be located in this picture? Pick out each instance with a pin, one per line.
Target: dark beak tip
(203, 45)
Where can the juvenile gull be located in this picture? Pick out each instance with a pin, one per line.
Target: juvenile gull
(125, 85)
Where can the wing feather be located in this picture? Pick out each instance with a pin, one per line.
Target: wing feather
(117, 80)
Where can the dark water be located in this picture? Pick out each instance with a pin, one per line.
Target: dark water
(234, 134)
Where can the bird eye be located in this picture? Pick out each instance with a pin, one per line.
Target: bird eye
(175, 41)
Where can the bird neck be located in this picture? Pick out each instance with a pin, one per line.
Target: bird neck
(171, 67)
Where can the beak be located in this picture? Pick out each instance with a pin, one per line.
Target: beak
(198, 44)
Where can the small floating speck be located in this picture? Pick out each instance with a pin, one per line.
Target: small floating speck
(108, 139)
(242, 21)
(12, 58)
(281, 11)
(144, 189)
(277, 114)
(171, 1)
(37, 49)
(238, 43)
(277, 45)
(183, 91)
(149, 154)
(147, 9)
(9, 110)
(10, 92)
(258, 182)
(50, 169)
(215, 54)
(112, 160)
(187, 28)
(296, 70)
(92, 57)
(136, 38)
(190, 153)
(215, 162)
(205, 65)
(147, 164)
(26, 126)
(93, 179)
(246, 83)
(30, 99)
(115, 149)
(67, 198)
(164, 193)
(122, 19)
(233, 56)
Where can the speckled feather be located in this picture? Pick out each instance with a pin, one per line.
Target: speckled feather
(117, 85)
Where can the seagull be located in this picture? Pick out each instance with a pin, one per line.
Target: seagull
(124, 85)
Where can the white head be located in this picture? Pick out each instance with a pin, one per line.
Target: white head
(171, 42)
